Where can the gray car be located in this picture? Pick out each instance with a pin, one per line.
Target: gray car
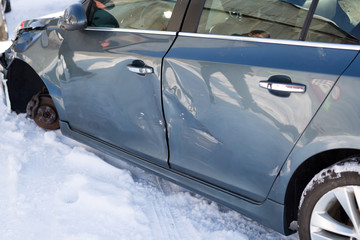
(252, 103)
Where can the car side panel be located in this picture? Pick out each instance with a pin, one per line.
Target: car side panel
(106, 100)
(335, 126)
(226, 130)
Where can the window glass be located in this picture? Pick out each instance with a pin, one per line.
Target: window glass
(336, 21)
(253, 18)
(133, 14)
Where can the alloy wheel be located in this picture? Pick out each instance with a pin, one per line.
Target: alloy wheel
(336, 215)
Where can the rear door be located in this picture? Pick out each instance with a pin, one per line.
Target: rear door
(112, 70)
(241, 86)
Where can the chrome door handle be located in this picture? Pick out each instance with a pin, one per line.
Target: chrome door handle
(283, 87)
(140, 70)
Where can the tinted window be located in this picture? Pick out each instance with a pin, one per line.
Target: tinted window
(253, 18)
(335, 21)
(133, 14)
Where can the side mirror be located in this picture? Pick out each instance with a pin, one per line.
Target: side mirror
(74, 18)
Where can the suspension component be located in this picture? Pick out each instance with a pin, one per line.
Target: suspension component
(42, 110)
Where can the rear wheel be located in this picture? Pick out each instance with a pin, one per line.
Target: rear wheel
(331, 202)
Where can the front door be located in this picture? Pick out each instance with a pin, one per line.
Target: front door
(110, 75)
(241, 89)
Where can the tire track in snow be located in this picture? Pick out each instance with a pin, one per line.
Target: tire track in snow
(162, 219)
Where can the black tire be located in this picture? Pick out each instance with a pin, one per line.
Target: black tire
(7, 6)
(322, 207)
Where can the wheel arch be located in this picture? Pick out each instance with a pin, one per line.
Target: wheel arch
(24, 82)
(303, 175)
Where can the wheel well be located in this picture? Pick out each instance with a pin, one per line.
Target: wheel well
(305, 173)
(23, 83)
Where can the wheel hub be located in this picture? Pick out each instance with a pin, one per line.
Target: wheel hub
(46, 115)
(42, 109)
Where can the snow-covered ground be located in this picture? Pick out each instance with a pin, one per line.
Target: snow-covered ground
(52, 187)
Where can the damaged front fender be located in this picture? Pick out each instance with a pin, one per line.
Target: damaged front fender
(40, 23)
(30, 63)
(31, 30)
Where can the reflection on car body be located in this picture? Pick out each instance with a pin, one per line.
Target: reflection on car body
(245, 102)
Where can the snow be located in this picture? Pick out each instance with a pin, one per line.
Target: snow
(52, 187)
(333, 172)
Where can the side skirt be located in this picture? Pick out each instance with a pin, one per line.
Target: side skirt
(268, 213)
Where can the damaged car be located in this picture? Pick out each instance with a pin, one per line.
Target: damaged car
(251, 103)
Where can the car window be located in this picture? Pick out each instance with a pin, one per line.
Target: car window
(133, 14)
(334, 20)
(253, 18)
